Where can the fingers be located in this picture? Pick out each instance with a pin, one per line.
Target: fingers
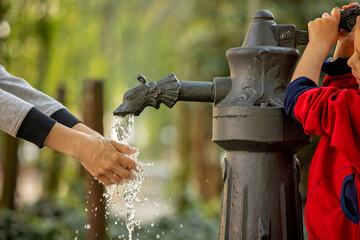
(117, 161)
(123, 148)
(121, 158)
(121, 172)
(111, 177)
(335, 12)
(114, 178)
(116, 175)
(105, 181)
(351, 5)
(126, 162)
(325, 29)
(342, 31)
(118, 165)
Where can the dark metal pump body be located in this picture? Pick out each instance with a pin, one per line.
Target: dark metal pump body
(261, 173)
(260, 197)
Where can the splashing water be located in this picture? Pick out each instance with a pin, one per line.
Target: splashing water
(121, 132)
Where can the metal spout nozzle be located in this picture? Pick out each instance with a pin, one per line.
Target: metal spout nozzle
(168, 91)
(165, 91)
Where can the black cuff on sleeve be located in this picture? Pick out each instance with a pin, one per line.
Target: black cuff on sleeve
(64, 117)
(293, 91)
(336, 68)
(35, 127)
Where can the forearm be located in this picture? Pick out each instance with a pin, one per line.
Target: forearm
(66, 140)
(85, 129)
(311, 61)
(343, 50)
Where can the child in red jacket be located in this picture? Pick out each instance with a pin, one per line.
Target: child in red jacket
(333, 112)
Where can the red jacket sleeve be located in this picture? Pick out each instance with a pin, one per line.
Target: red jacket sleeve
(332, 112)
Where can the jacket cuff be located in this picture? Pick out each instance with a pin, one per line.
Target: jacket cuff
(35, 127)
(336, 67)
(64, 117)
(293, 91)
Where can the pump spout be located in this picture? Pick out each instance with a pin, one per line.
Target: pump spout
(168, 91)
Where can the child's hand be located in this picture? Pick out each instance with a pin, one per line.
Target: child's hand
(351, 5)
(324, 30)
(323, 33)
(345, 45)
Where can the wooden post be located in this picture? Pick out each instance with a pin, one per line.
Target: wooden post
(10, 144)
(206, 164)
(52, 175)
(10, 161)
(93, 117)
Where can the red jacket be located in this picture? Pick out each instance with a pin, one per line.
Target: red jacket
(333, 112)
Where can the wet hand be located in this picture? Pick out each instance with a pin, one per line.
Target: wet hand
(108, 160)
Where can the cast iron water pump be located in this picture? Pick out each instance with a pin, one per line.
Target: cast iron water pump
(260, 198)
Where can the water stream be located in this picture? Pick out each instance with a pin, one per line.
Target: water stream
(131, 188)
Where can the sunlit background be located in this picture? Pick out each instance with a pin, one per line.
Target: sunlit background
(57, 44)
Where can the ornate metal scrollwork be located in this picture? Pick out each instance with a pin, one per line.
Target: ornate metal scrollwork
(262, 84)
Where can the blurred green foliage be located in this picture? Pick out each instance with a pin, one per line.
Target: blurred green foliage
(55, 42)
(47, 220)
(43, 220)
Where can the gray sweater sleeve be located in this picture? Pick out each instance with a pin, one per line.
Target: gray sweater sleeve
(21, 89)
(28, 113)
(13, 110)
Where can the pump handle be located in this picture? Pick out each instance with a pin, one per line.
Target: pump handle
(348, 18)
(347, 22)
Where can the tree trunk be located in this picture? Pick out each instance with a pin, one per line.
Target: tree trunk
(52, 176)
(206, 154)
